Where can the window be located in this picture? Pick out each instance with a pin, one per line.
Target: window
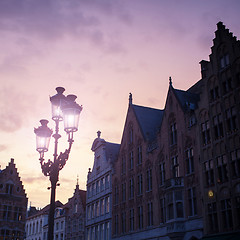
(131, 160)
(222, 169)
(226, 212)
(218, 126)
(17, 214)
(107, 181)
(214, 94)
(224, 61)
(9, 188)
(175, 166)
(140, 217)
(173, 134)
(107, 231)
(5, 233)
(97, 232)
(192, 201)
(150, 214)
(97, 187)
(149, 180)
(102, 206)
(162, 173)
(209, 173)
(212, 217)
(97, 208)
(93, 189)
(93, 210)
(107, 203)
(205, 133)
(131, 188)
(89, 212)
(139, 154)
(93, 234)
(116, 195)
(231, 119)
(102, 183)
(123, 220)
(123, 164)
(123, 192)
(140, 186)
(162, 211)
(131, 220)
(227, 85)
(179, 204)
(102, 231)
(235, 163)
(7, 212)
(189, 161)
(169, 201)
(116, 224)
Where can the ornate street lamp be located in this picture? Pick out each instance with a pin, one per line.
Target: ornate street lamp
(63, 109)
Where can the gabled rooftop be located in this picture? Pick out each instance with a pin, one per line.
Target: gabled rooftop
(149, 120)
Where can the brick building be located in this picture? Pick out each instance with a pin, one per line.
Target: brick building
(177, 172)
(13, 204)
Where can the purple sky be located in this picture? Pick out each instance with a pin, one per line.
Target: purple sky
(99, 50)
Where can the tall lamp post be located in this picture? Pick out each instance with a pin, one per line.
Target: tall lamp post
(64, 108)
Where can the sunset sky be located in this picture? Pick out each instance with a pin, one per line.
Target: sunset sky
(99, 50)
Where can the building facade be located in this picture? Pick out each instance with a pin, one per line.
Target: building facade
(219, 130)
(75, 211)
(37, 222)
(13, 204)
(177, 172)
(99, 190)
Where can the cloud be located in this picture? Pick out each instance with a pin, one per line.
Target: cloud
(3, 147)
(15, 107)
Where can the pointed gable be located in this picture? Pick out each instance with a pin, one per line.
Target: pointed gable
(187, 100)
(149, 120)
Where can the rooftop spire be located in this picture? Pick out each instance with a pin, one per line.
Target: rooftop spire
(170, 81)
(98, 134)
(77, 180)
(130, 98)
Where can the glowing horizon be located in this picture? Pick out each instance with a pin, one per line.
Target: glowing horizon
(99, 50)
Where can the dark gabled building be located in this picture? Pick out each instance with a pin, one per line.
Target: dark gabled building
(218, 116)
(75, 210)
(177, 175)
(13, 204)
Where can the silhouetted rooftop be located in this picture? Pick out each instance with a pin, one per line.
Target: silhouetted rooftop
(149, 120)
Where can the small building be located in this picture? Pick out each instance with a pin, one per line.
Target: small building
(37, 222)
(13, 204)
(75, 210)
(99, 190)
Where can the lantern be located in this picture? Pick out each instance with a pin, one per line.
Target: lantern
(43, 135)
(57, 102)
(71, 113)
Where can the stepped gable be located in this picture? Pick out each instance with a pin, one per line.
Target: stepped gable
(11, 175)
(149, 120)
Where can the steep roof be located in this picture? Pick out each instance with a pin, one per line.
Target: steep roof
(187, 99)
(149, 120)
(112, 150)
